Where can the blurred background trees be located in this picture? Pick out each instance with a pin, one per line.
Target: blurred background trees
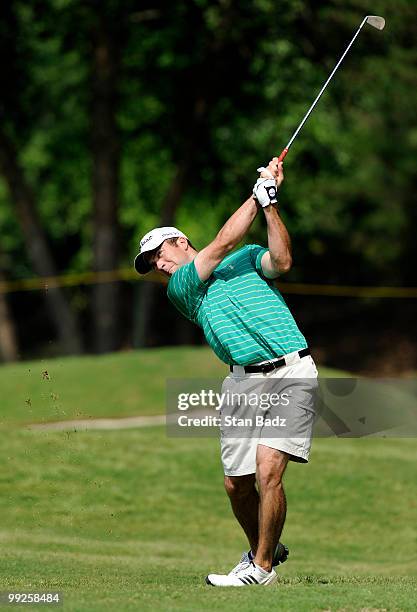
(118, 116)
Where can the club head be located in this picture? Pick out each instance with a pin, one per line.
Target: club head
(376, 22)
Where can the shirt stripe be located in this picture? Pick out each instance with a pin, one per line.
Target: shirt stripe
(243, 315)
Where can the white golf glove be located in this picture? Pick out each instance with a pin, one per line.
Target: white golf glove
(265, 189)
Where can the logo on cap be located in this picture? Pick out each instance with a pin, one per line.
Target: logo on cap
(145, 240)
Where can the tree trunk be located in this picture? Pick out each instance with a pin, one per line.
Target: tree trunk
(169, 208)
(146, 301)
(8, 340)
(106, 162)
(37, 247)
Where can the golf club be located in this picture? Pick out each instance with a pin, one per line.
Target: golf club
(372, 20)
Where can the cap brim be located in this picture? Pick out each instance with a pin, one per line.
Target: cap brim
(141, 265)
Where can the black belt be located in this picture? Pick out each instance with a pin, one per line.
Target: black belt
(268, 366)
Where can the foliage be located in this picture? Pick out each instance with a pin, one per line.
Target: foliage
(222, 84)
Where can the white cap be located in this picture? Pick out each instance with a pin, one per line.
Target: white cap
(151, 241)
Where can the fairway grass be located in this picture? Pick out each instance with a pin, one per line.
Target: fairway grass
(133, 520)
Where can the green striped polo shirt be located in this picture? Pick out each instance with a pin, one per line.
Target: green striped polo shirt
(243, 315)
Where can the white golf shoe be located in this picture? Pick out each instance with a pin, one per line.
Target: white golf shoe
(248, 574)
(280, 556)
(242, 563)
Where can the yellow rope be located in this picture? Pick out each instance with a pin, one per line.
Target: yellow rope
(128, 274)
(349, 291)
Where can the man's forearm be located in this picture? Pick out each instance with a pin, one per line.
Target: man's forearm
(228, 237)
(279, 242)
(235, 228)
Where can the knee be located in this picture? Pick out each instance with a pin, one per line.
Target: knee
(268, 478)
(239, 486)
(269, 471)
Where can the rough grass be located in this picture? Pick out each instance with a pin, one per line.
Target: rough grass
(119, 384)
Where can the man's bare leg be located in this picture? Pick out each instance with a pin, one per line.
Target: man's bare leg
(244, 499)
(270, 468)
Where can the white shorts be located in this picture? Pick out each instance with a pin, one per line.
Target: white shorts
(298, 382)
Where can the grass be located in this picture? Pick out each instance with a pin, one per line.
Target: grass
(133, 520)
(119, 384)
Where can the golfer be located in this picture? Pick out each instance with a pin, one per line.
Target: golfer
(232, 297)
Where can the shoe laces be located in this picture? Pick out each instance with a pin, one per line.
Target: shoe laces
(246, 568)
(243, 564)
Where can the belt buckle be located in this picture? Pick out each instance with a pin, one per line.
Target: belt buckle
(268, 367)
(292, 358)
(238, 371)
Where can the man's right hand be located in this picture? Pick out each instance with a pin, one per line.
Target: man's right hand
(275, 169)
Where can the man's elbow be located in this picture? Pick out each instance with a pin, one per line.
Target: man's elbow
(224, 243)
(226, 247)
(283, 265)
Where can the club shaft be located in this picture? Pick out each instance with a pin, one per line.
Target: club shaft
(310, 110)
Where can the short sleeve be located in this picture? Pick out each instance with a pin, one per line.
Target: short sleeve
(186, 291)
(256, 254)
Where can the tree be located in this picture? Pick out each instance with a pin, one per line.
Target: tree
(16, 121)
(107, 35)
(8, 340)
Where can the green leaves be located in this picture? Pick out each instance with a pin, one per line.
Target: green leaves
(229, 82)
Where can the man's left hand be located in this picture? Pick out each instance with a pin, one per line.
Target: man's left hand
(265, 189)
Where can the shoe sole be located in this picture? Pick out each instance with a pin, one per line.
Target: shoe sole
(269, 582)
